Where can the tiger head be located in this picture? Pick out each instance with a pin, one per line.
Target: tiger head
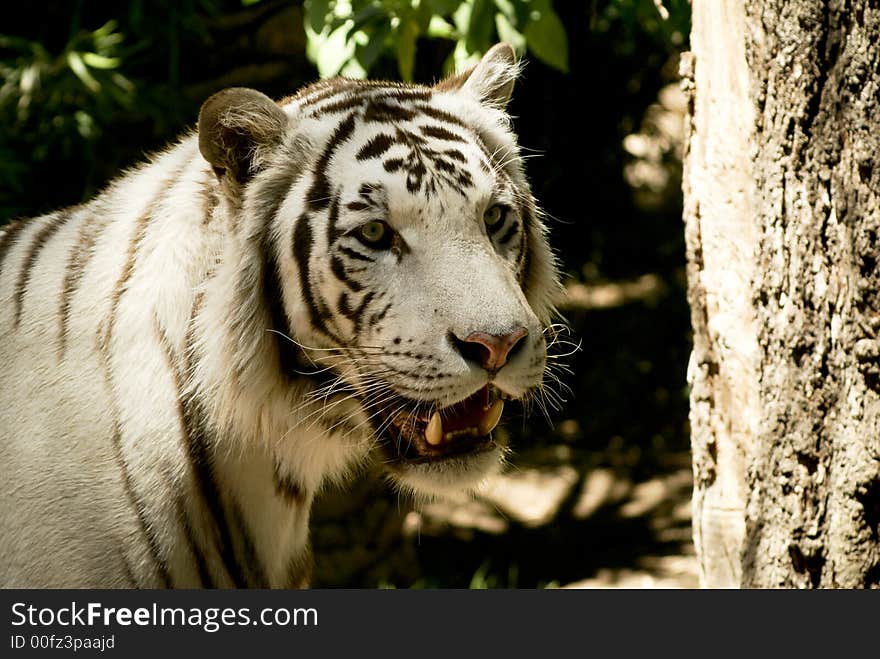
(402, 254)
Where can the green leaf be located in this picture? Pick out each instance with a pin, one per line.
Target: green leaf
(85, 124)
(407, 34)
(546, 38)
(506, 7)
(509, 34)
(368, 53)
(442, 7)
(96, 61)
(479, 30)
(440, 29)
(364, 16)
(330, 52)
(75, 61)
(462, 58)
(316, 14)
(106, 30)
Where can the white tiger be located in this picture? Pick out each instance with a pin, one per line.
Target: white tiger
(356, 272)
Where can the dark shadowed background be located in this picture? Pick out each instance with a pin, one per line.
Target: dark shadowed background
(599, 495)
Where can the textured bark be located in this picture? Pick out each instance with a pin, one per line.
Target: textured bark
(809, 216)
(721, 235)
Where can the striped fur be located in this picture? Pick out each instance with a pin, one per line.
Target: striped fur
(186, 359)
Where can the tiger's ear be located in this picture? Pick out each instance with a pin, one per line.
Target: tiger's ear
(491, 80)
(237, 126)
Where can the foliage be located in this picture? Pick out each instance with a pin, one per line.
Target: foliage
(64, 85)
(57, 102)
(668, 24)
(349, 36)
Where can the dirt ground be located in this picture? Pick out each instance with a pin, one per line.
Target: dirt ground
(556, 518)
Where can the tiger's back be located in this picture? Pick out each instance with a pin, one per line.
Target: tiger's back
(77, 285)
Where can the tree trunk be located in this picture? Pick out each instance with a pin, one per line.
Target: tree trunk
(782, 221)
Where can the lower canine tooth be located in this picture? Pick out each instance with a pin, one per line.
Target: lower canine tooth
(493, 415)
(434, 431)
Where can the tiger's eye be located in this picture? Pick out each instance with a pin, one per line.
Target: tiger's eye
(493, 216)
(373, 233)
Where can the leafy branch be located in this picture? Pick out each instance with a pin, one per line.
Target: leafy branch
(348, 37)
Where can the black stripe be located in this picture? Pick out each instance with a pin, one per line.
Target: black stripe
(300, 568)
(376, 146)
(455, 154)
(318, 196)
(527, 220)
(291, 360)
(338, 269)
(441, 115)
(287, 488)
(415, 176)
(355, 255)
(202, 466)
(39, 241)
(441, 133)
(288, 351)
(129, 573)
(358, 315)
(378, 111)
(140, 232)
(273, 188)
(357, 206)
(393, 164)
(404, 94)
(180, 507)
(339, 106)
(139, 508)
(9, 238)
(445, 166)
(523, 249)
(333, 233)
(367, 189)
(330, 88)
(116, 438)
(510, 233)
(343, 306)
(205, 579)
(256, 576)
(353, 314)
(209, 197)
(379, 316)
(302, 251)
(80, 255)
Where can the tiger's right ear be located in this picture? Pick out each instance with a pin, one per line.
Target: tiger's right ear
(491, 80)
(237, 127)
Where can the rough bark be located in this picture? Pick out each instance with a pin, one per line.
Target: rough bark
(720, 235)
(812, 209)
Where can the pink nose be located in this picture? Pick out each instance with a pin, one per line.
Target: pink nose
(492, 350)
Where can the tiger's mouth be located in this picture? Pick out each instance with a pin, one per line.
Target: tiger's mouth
(459, 429)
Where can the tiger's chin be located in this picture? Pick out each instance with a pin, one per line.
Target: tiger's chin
(444, 451)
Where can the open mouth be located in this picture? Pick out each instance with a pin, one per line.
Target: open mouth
(462, 428)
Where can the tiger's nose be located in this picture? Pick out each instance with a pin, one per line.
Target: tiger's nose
(491, 351)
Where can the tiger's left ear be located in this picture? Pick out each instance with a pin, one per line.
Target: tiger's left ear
(237, 127)
(491, 80)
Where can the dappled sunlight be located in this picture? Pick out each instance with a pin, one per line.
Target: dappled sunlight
(648, 288)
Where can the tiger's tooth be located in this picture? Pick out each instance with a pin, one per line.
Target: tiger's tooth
(492, 417)
(434, 431)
